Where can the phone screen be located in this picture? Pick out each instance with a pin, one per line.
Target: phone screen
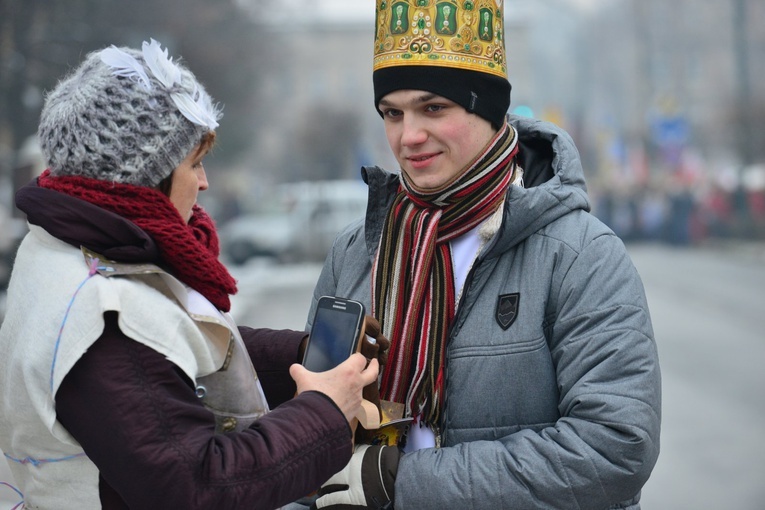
(335, 331)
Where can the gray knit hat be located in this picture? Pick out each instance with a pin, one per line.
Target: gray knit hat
(125, 116)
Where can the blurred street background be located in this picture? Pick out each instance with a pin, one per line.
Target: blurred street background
(664, 100)
(707, 310)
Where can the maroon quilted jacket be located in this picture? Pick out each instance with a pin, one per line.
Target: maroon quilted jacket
(137, 416)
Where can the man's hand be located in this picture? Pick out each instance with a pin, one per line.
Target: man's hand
(378, 349)
(342, 384)
(366, 482)
(374, 345)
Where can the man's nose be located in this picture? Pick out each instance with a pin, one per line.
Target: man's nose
(414, 132)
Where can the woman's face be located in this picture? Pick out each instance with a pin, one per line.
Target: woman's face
(187, 180)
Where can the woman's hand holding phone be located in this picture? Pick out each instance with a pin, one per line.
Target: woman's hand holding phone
(343, 384)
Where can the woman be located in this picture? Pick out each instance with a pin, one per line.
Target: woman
(125, 382)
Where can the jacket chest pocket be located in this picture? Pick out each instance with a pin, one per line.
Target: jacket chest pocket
(493, 390)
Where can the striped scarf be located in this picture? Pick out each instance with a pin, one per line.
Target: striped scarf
(413, 279)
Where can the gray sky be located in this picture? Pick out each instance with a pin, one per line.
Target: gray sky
(363, 10)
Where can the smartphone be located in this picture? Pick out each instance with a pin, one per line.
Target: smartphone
(338, 326)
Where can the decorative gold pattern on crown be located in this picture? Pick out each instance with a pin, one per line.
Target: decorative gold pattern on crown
(466, 34)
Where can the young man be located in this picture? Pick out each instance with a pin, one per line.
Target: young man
(521, 341)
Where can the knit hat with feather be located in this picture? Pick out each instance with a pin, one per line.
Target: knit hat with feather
(124, 124)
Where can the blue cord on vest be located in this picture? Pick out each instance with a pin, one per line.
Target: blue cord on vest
(37, 462)
(18, 505)
(91, 272)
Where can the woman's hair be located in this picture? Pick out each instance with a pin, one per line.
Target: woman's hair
(204, 146)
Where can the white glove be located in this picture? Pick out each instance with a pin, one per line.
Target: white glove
(366, 482)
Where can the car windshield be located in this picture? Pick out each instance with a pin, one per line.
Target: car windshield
(272, 204)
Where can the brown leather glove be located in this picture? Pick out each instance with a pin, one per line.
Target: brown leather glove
(380, 348)
(377, 350)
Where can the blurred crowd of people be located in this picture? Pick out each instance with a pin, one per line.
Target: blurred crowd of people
(686, 211)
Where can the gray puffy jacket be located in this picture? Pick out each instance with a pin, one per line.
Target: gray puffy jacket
(553, 389)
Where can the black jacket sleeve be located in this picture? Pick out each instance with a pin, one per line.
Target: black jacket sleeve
(137, 418)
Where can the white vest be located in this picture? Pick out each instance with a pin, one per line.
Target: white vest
(155, 309)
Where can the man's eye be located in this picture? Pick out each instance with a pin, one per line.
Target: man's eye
(391, 113)
(434, 108)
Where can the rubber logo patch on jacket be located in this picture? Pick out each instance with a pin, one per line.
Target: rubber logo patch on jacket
(507, 309)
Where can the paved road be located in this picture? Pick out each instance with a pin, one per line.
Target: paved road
(708, 309)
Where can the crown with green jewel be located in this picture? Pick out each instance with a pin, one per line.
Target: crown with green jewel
(464, 34)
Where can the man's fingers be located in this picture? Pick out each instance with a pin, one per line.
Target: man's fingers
(372, 326)
(329, 489)
(334, 498)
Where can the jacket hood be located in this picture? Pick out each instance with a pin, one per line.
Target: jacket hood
(553, 186)
(81, 223)
(553, 182)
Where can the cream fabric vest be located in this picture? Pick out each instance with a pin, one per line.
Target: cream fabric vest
(155, 309)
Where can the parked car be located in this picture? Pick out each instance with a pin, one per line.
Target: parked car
(297, 223)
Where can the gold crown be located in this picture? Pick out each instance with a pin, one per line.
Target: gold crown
(465, 34)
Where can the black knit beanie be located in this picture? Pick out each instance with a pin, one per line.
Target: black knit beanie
(486, 95)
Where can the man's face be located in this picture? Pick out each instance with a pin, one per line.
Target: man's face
(434, 139)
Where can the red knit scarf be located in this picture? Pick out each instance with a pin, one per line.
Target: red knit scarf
(413, 279)
(190, 250)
